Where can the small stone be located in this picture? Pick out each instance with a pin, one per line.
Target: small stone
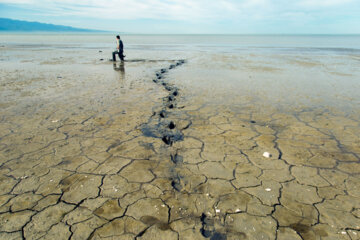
(266, 154)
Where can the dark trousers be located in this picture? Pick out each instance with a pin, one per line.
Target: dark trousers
(121, 55)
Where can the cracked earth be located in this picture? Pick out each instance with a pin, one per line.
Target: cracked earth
(130, 157)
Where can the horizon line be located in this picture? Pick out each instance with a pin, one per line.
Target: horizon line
(138, 33)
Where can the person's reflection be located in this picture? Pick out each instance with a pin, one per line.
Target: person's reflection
(120, 68)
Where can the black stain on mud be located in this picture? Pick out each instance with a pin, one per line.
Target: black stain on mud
(162, 114)
(148, 146)
(177, 159)
(163, 130)
(166, 140)
(176, 185)
(300, 228)
(64, 162)
(218, 236)
(150, 221)
(171, 125)
(208, 230)
(207, 226)
(306, 232)
(160, 127)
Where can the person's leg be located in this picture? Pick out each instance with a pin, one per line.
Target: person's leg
(121, 56)
(113, 55)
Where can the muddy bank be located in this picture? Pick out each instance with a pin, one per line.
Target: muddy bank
(93, 150)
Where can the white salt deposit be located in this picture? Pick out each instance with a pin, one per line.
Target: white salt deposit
(266, 154)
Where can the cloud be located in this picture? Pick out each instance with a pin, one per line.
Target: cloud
(148, 9)
(124, 9)
(232, 13)
(323, 3)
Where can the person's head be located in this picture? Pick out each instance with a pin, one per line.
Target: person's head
(118, 37)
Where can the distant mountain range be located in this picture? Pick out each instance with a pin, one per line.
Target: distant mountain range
(7, 24)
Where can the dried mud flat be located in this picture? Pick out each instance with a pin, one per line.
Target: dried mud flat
(136, 160)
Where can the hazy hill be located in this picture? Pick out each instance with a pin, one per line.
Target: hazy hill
(7, 24)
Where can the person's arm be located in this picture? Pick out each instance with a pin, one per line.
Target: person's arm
(117, 44)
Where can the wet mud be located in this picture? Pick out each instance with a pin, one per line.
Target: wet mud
(136, 156)
(158, 125)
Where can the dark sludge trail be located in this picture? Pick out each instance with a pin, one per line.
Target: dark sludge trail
(158, 126)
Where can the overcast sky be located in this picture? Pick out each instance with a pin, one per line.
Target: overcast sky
(193, 16)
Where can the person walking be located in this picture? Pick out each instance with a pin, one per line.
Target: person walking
(119, 49)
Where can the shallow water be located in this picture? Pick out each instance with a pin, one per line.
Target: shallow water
(93, 150)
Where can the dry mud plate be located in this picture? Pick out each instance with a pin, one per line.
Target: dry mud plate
(124, 155)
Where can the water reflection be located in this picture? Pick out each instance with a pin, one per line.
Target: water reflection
(120, 67)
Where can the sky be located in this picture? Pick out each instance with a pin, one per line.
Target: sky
(193, 16)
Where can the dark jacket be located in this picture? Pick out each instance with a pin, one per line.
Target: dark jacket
(121, 46)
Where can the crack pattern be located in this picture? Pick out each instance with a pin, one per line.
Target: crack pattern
(176, 168)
